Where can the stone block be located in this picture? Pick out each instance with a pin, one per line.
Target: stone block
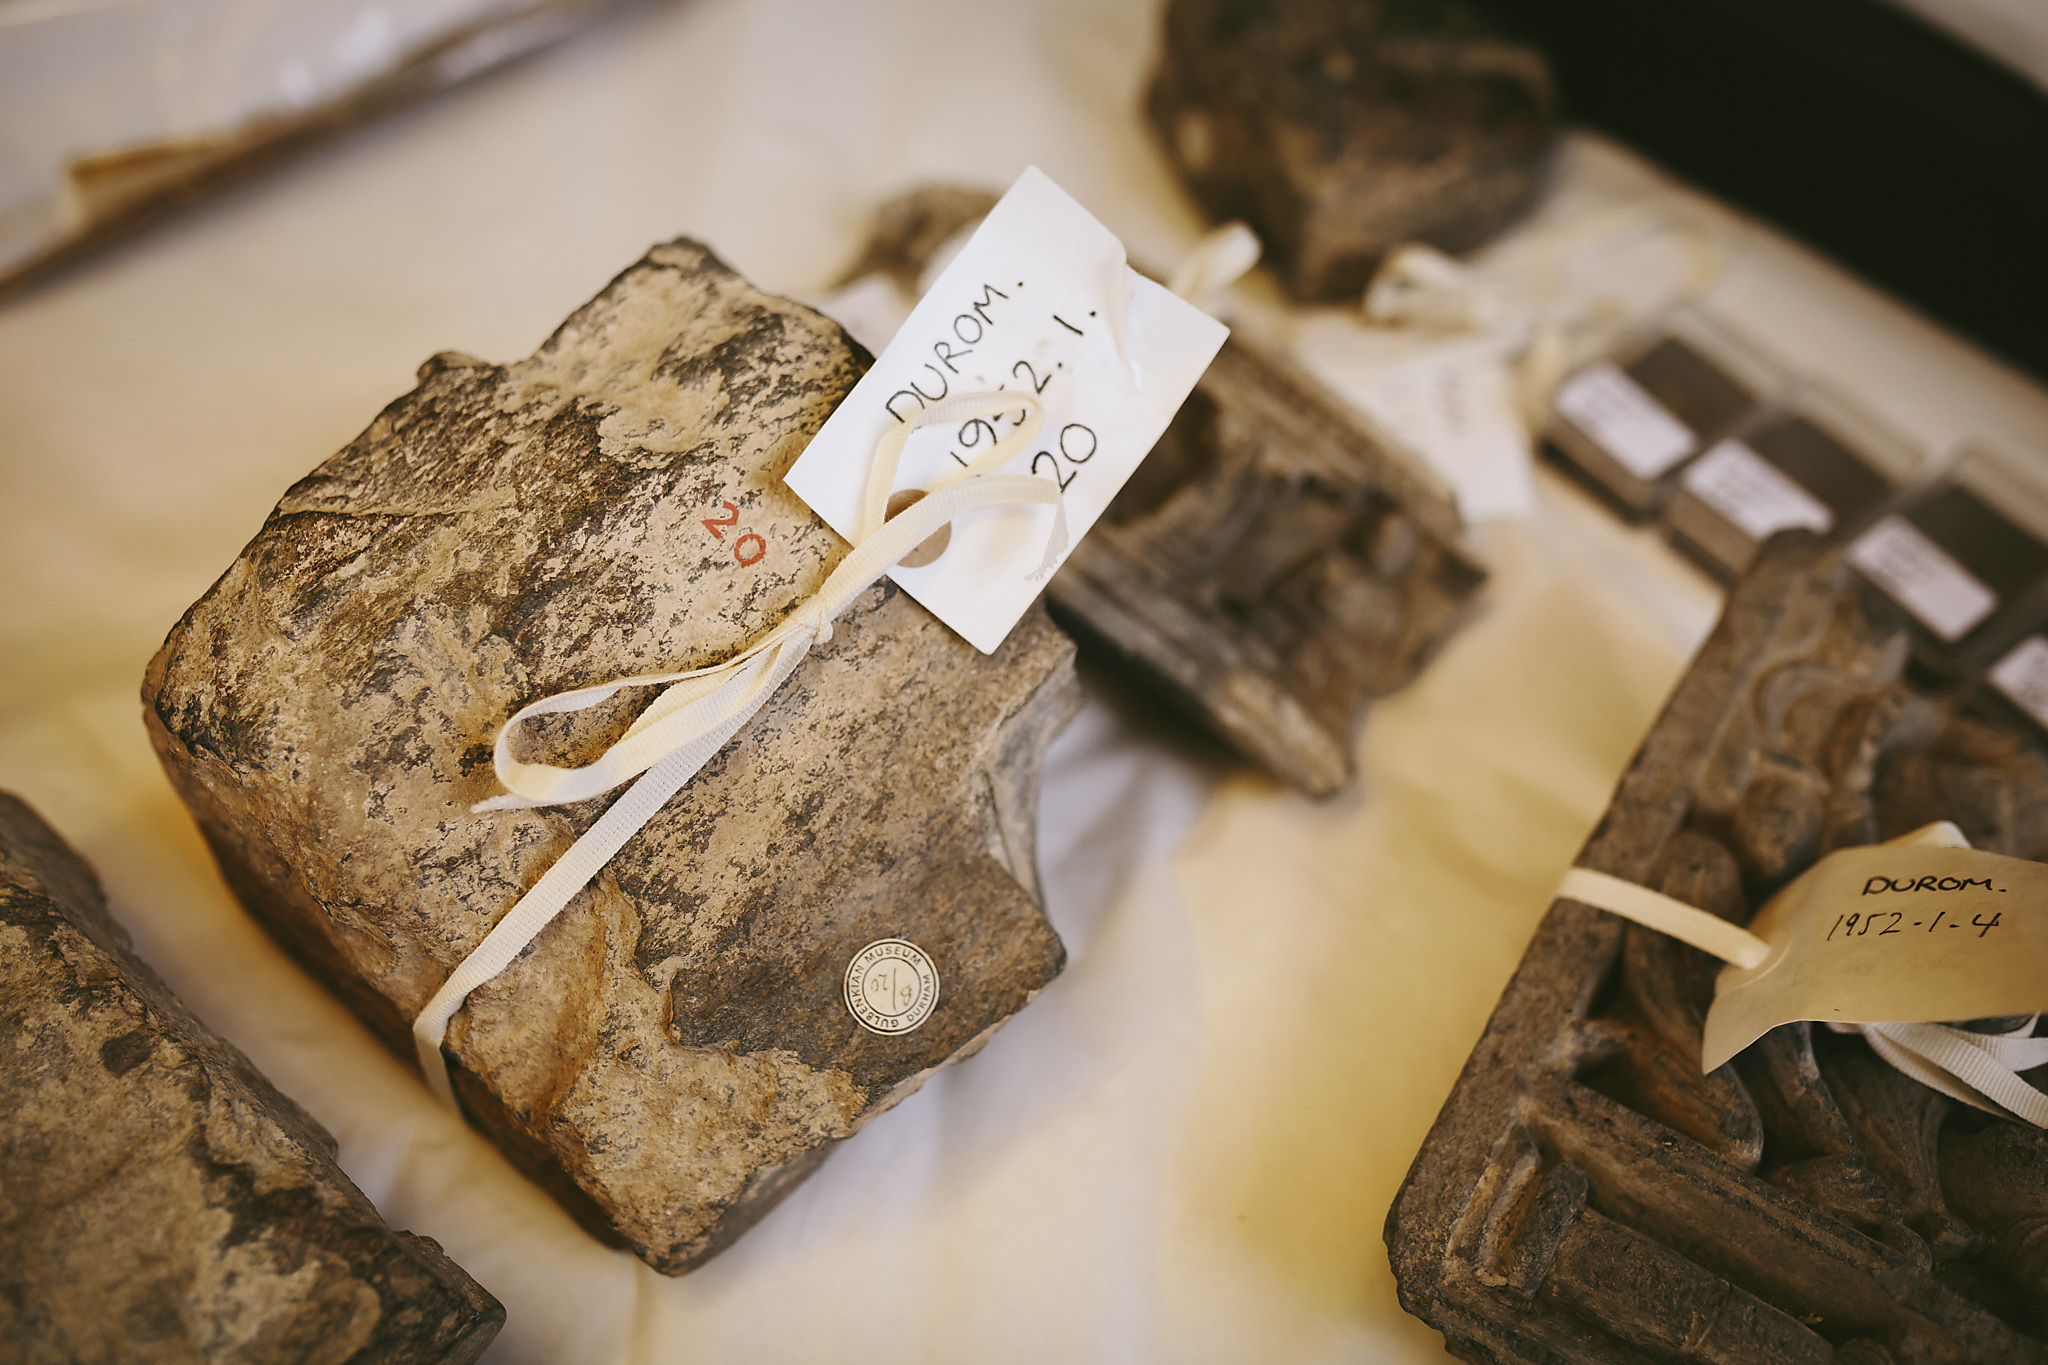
(1339, 129)
(675, 1051)
(159, 1199)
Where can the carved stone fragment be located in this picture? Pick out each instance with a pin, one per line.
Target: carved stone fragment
(1586, 1194)
(675, 1051)
(1340, 129)
(159, 1200)
(1270, 567)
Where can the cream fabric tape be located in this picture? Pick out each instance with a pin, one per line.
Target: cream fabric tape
(1971, 1067)
(1666, 914)
(1981, 1070)
(705, 707)
(1216, 262)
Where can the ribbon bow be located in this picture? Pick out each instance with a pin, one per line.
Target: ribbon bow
(703, 708)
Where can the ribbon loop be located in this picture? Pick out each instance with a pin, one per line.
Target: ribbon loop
(703, 708)
(1971, 1067)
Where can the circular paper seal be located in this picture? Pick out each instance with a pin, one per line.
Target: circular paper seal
(891, 986)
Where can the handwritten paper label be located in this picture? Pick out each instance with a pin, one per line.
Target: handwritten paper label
(1922, 577)
(1039, 300)
(1754, 495)
(2022, 675)
(1455, 408)
(1626, 422)
(1897, 932)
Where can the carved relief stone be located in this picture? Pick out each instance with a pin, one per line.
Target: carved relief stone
(674, 1053)
(1586, 1194)
(1269, 568)
(1340, 129)
(159, 1199)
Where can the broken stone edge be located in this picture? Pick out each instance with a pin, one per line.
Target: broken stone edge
(61, 890)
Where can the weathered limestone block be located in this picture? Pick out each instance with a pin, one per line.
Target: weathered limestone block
(674, 1052)
(159, 1200)
(1586, 1194)
(1340, 129)
(1269, 568)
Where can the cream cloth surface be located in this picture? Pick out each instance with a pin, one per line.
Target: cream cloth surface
(1185, 1149)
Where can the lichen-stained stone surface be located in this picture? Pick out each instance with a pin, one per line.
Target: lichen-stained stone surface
(1342, 128)
(159, 1200)
(674, 1052)
(1588, 1195)
(1270, 568)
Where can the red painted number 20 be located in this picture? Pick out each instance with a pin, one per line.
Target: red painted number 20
(740, 546)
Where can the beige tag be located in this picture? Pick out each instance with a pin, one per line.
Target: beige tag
(1891, 932)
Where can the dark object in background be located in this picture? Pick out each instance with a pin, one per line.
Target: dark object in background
(1269, 568)
(674, 1053)
(1586, 1194)
(1626, 424)
(1966, 558)
(159, 1199)
(1339, 129)
(1905, 154)
(1814, 461)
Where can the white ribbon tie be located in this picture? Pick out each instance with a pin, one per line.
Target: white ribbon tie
(703, 708)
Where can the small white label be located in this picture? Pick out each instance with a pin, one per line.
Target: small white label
(1756, 497)
(891, 986)
(1921, 577)
(1628, 424)
(2023, 676)
(1039, 300)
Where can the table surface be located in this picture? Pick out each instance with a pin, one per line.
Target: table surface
(1186, 1148)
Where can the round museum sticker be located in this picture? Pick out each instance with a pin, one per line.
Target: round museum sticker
(891, 986)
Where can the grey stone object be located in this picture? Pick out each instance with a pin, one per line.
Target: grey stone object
(1587, 1195)
(675, 1052)
(159, 1199)
(1339, 129)
(1270, 568)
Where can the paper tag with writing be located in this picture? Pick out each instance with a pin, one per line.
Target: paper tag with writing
(1455, 408)
(1039, 300)
(1756, 497)
(2022, 675)
(1892, 933)
(1602, 401)
(1922, 577)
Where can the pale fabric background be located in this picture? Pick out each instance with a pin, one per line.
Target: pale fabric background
(1184, 1151)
